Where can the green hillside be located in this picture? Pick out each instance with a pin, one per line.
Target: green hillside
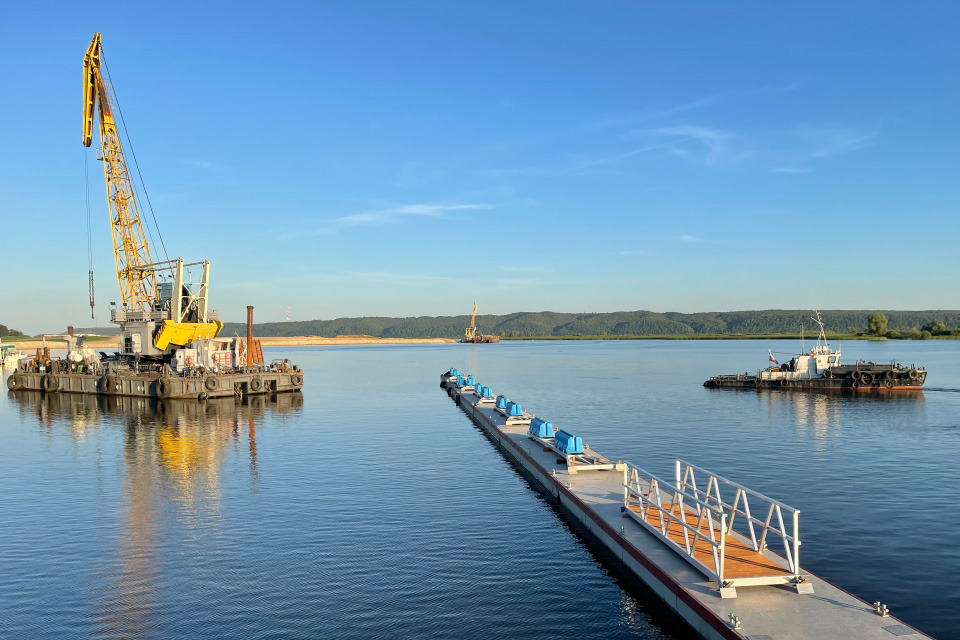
(619, 323)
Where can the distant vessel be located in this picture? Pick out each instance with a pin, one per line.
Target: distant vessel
(470, 333)
(821, 369)
(9, 355)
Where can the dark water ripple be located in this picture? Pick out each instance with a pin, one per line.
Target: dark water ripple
(370, 507)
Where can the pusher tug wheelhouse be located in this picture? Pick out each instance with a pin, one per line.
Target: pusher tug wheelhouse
(169, 339)
(820, 369)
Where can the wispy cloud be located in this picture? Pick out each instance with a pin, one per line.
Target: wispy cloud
(615, 158)
(785, 150)
(200, 162)
(393, 215)
(830, 139)
(691, 239)
(509, 269)
(399, 278)
(632, 252)
(715, 141)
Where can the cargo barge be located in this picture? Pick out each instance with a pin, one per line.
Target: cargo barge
(206, 368)
(820, 369)
(692, 538)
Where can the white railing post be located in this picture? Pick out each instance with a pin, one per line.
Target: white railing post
(796, 542)
(626, 486)
(723, 546)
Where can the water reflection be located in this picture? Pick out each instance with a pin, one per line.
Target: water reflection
(819, 415)
(171, 458)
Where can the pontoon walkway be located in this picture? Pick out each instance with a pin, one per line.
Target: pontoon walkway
(692, 539)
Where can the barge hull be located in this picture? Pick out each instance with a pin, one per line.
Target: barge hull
(156, 386)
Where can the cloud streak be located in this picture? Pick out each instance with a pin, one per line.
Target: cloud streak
(394, 215)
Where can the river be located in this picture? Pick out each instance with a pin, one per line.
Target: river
(369, 506)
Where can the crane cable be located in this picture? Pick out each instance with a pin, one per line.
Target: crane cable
(133, 154)
(86, 176)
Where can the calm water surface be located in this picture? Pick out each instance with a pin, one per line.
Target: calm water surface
(370, 507)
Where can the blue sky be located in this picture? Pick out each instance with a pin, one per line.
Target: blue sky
(359, 159)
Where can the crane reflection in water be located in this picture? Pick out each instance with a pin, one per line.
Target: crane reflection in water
(171, 458)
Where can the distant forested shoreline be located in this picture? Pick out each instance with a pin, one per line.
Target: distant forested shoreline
(621, 325)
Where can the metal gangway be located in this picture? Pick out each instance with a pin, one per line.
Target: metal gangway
(719, 538)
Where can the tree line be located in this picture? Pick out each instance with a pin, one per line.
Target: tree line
(7, 332)
(621, 323)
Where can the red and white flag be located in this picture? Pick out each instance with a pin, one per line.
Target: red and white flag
(772, 359)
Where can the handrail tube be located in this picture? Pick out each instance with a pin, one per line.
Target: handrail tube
(684, 493)
(734, 484)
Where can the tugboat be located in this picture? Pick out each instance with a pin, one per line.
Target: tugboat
(820, 369)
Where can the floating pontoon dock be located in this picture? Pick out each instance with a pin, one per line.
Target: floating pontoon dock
(726, 559)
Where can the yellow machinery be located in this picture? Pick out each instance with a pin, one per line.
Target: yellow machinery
(470, 331)
(155, 316)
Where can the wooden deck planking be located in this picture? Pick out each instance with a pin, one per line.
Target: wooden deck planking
(740, 560)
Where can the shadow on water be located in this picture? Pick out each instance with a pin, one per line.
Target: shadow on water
(171, 455)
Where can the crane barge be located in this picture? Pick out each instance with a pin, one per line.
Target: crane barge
(169, 337)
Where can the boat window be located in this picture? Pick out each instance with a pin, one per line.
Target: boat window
(832, 359)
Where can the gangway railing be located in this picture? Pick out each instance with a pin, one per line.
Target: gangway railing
(700, 525)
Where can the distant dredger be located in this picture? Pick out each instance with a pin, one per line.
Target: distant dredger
(470, 333)
(169, 338)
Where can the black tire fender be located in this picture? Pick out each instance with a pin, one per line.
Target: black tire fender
(913, 374)
(13, 382)
(50, 382)
(211, 383)
(256, 384)
(296, 379)
(202, 396)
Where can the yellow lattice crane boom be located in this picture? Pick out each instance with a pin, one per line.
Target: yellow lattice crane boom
(472, 329)
(135, 274)
(155, 317)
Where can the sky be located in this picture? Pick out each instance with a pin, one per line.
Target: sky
(408, 158)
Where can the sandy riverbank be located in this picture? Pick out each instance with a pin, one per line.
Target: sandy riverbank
(301, 341)
(106, 344)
